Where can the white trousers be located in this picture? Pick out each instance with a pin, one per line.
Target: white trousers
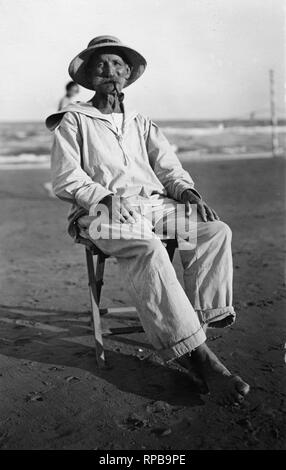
(172, 317)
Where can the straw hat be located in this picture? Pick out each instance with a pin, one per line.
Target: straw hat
(77, 67)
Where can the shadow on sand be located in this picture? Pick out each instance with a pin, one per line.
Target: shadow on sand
(64, 338)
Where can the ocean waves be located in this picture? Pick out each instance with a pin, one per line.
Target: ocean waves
(27, 145)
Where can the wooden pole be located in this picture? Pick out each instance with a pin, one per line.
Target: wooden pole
(274, 137)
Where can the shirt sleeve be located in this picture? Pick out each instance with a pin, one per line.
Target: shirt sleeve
(70, 182)
(166, 164)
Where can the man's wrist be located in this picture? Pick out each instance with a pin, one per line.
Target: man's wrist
(94, 207)
(190, 193)
(106, 198)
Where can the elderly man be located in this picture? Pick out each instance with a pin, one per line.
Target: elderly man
(105, 156)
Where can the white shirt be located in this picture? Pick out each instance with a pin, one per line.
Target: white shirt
(117, 119)
(91, 160)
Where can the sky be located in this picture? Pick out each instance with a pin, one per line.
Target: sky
(206, 58)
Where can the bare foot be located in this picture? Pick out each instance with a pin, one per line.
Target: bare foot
(189, 367)
(226, 388)
(185, 363)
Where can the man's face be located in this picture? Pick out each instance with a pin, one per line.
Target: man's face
(106, 70)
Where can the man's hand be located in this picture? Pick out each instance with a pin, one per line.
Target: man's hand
(119, 209)
(205, 211)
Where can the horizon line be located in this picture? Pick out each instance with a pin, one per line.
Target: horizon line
(279, 118)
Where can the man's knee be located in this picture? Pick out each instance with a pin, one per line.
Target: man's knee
(223, 229)
(217, 229)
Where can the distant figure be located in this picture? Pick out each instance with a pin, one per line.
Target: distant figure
(72, 89)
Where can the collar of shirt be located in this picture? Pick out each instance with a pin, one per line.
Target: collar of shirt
(88, 109)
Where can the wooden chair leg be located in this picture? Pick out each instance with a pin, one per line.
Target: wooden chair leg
(100, 357)
(99, 273)
(95, 282)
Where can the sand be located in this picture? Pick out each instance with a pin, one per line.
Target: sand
(52, 394)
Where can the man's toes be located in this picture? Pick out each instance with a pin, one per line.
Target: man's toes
(235, 391)
(236, 397)
(242, 388)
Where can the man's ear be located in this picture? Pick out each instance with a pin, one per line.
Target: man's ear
(128, 71)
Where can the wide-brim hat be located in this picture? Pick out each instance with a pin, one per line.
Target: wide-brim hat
(77, 67)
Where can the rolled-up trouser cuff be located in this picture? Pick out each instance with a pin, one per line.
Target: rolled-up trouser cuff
(217, 317)
(184, 346)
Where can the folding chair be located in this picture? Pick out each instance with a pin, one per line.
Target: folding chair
(95, 282)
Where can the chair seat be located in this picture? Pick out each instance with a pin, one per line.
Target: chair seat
(90, 246)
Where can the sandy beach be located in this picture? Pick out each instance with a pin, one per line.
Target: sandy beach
(52, 394)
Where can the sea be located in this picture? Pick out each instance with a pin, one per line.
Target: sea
(28, 144)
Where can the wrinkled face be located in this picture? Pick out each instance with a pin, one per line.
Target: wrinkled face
(107, 70)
